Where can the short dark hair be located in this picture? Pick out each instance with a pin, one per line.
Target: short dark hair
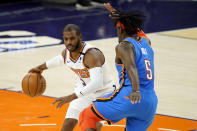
(71, 27)
(132, 21)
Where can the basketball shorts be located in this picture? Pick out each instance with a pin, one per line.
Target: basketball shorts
(76, 106)
(79, 104)
(114, 107)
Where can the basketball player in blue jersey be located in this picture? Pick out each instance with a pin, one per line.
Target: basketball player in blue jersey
(93, 78)
(135, 99)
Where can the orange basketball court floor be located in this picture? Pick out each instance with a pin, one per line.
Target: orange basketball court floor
(19, 112)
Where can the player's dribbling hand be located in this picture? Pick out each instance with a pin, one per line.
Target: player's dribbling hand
(35, 70)
(135, 97)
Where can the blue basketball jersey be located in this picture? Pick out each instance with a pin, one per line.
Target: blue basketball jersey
(113, 107)
(144, 59)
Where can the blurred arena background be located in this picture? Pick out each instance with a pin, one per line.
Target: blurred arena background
(31, 33)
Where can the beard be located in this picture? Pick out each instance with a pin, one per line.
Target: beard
(72, 48)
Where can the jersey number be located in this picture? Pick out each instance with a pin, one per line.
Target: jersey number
(149, 73)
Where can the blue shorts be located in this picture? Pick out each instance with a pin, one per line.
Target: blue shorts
(115, 107)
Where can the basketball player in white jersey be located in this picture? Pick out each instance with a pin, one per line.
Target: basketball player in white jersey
(93, 77)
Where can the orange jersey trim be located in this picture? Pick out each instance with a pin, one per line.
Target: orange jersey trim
(133, 39)
(65, 56)
(99, 115)
(79, 54)
(141, 34)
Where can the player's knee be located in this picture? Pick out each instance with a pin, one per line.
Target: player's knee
(99, 126)
(91, 129)
(69, 123)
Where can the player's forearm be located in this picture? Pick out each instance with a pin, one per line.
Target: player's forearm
(42, 66)
(134, 78)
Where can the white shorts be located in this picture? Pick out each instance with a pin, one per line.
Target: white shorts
(76, 106)
(79, 104)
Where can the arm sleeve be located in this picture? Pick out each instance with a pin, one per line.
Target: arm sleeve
(96, 83)
(77, 82)
(55, 61)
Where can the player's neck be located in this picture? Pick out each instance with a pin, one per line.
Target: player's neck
(134, 36)
(75, 54)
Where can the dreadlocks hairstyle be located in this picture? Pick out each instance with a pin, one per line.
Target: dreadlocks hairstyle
(131, 22)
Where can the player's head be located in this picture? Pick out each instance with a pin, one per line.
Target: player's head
(129, 24)
(72, 37)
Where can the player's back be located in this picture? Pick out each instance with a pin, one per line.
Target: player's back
(144, 59)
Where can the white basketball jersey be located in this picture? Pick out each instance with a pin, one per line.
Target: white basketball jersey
(82, 72)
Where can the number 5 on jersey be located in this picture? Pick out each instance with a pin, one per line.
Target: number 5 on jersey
(149, 73)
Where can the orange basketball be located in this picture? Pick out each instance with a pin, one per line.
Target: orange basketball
(33, 84)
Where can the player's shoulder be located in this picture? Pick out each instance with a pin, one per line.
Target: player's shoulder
(87, 45)
(147, 40)
(93, 58)
(93, 52)
(124, 45)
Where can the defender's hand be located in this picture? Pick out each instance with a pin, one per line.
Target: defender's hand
(63, 100)
(114, 16)
(135, 97)
(109, 7)
(114, 13)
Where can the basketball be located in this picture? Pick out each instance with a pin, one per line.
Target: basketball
(33, 84)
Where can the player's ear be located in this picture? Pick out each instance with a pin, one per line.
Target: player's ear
(122, 31)
(80, 37)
